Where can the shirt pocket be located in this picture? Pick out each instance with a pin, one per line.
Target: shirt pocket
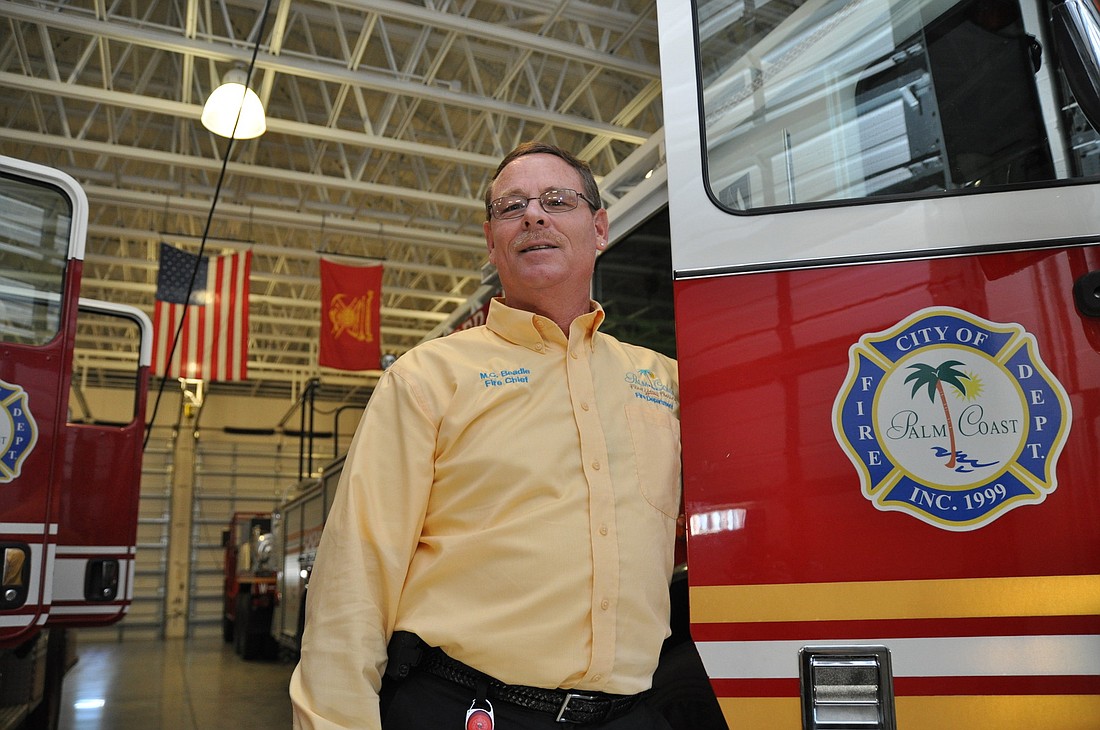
(655, 435)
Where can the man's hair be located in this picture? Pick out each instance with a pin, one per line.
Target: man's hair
(591, 190)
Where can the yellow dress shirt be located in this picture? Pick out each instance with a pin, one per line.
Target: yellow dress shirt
(511, 496)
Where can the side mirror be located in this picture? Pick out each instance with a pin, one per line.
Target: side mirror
(1076, 29)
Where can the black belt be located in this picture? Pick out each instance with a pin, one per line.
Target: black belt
(577, 707)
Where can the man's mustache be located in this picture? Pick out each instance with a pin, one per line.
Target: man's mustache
(536, 237)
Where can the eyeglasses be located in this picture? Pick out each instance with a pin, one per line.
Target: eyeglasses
(556, 200)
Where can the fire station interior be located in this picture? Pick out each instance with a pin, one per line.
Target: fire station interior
(384, 121)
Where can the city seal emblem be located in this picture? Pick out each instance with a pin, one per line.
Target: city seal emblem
(18, 431)
(951, 418)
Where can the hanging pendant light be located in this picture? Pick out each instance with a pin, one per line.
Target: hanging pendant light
(229, 100)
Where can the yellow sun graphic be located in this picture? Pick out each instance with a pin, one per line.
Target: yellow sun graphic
(974, 388)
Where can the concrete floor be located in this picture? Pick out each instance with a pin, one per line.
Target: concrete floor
(184, 684)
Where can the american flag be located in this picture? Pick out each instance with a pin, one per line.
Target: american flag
(213, 344)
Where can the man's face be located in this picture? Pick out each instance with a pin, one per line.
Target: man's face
(540, 250)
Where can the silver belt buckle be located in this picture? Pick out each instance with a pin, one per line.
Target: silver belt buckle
(569, 697)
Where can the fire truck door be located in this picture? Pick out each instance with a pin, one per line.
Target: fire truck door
(885, 241)
(43, 214)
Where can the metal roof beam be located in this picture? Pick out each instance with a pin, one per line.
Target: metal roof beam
(254, 171)
(75, 22)
(157, 105)
(281, 217)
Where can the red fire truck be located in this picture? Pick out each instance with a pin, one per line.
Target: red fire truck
(885, 228)
(69, 484)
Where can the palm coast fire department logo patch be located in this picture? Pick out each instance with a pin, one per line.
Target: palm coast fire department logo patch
(951, 418)
(18, 431)
(648, 387)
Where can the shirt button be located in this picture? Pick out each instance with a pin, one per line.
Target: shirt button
(596, 465)
(573, 354)
(538, 347)
(584, 406)
(597, 678)
(604, 604)
(603, 529)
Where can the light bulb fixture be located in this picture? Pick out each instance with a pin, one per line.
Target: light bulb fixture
(229, 100)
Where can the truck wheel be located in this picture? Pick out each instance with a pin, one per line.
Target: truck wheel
(253, 630)
(240, 627)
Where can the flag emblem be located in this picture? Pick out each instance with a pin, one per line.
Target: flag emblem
(352, 316)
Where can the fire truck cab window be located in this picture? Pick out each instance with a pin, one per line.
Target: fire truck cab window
(34, 244)
(94, 328)
(961, 97)
(633, 282)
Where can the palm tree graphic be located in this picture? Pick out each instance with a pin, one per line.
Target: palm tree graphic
(932, 378)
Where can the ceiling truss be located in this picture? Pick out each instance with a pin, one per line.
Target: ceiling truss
(385, 120)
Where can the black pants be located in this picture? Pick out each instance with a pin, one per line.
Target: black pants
(426, 702)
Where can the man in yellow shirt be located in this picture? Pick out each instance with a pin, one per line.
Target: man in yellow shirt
(501, 543)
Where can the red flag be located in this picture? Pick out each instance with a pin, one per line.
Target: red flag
(213, 344)
(351, 306)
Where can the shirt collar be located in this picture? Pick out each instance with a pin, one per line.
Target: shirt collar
(530, 330)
